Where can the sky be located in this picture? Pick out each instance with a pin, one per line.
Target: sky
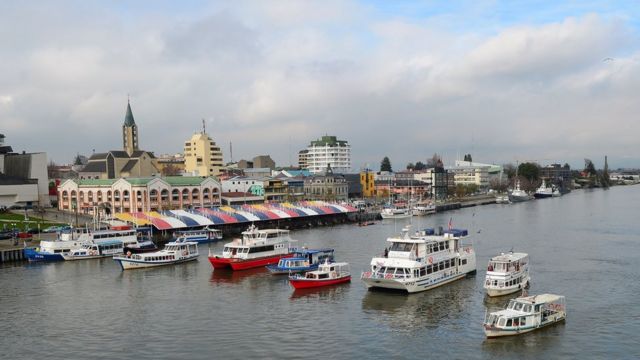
(508, 82)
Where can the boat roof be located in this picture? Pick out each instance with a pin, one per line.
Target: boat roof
(109, 242)
(541, 298)
(510, 256)
(182, 243)
(335, 264)
(313, 251)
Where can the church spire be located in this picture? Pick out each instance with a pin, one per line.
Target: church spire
(128, 118)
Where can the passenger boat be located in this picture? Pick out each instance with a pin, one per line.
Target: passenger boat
(302, 260)
(423, 261)
(507, 273)
(95, 250)
(518, 195)
(254, 249)
(543, 191)
(502, 199)
(199, 236)
(395, 213)
(327, 274)
(525, 314)
(52, 250)
(173, 253)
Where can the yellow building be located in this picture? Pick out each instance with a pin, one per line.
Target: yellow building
(202, 157)
(368, 183)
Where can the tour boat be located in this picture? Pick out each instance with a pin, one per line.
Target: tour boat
(173, 253)
(525, 314)
(422, 210)
(507, 273)
(327, 274)
(395, 213)
(543, 191)
(518, 195)
(95, 250)
(302, 260)
(199, 236)
(423, 261)
(254, 249)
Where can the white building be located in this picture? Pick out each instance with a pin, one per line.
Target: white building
(328, 151)
(23, 178)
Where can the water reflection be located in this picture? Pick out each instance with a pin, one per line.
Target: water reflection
(228, 276)
(422, 310)
(546, 337)
(331, 293)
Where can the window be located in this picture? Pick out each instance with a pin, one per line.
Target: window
(501, 322)
(509, 322)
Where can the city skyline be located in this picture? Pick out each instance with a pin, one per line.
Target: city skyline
(504, 82)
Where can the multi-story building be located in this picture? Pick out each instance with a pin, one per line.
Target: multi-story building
(440, 182)
(327, 152)
(171, 165)
(202, 157)
(108, 196)
(24, 180)
(264, 161)
(302, 159)
(558, 175)
(327, 187)
(471, 175)
(367, 181)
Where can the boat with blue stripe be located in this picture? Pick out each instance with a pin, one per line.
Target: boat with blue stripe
(302, 260)
(201, 236)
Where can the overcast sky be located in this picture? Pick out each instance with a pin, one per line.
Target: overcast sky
(502, 81)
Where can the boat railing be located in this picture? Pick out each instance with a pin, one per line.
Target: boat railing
(376, 275)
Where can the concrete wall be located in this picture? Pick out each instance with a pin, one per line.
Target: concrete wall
(30, 166)
(12, 194)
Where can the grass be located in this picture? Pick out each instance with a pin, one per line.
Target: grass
(8, 219)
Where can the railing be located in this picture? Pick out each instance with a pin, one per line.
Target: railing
(388, 276)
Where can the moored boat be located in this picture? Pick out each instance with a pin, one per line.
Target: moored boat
(302, 260)
(543, 191)
(518, 195)
(173, 253)
(255, 248)
(525, 314)
(502, 199)
(507, 274)
(326, 274)
(423, 209)
(423, 261)
(199, 236)
(95, 250)
(395, 213)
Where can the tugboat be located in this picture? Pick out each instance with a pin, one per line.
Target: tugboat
(423, 261)
(173, 253)
(302, 260)
(327, 274)
(507, 273)
(256, 248)
(525, 314)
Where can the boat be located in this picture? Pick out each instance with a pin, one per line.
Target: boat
(256, 248)
(518, 195)
(95, 250)
(502, 199)
(507, 273)
(422, 261)
(423, 209)
(543, 191)
(556, 192)
(366, 223)
(75, 239)
(302, 260)
(394, 212)
(199, 236)
(326, 274)
(175, 252)
(145, 242)
(525, 314)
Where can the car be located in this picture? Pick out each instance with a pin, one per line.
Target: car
(33, 231)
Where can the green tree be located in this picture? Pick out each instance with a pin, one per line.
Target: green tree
(420, 166)
(606, 180)
(589, 168)
(467, 157)
(433, 162)
(385, 165)
(529, 170)
(509, 170)
(410, 166)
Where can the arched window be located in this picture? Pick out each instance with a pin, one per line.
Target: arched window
(205, 194)
(73, 195)
(195, 194)
(175, 195)
(90, 196)
(116, 195)
(81, 196)
(99, 195)
(139, 195)
(65, 196)
(109, 196)
(185, 194)
(164, 195)
(153, 195)
(125, 195)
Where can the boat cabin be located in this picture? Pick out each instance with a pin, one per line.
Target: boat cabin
(510, 262)
(527, 312)
(329, 271)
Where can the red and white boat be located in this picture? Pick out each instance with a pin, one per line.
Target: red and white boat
(256, 248)
(327, 274)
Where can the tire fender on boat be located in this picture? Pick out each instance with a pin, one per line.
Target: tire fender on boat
(430, 259)
(334, 274)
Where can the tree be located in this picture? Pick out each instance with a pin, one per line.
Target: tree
(410, 166)
(420, 166)
(589, 168)
(385, 165)
(529, 170)
(510, 170)
(433, 162)
(170, 170)
(467, 157)
(606, 180)
(52, 170)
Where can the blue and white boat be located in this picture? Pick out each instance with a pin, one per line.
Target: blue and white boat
(198, 236)
(302, 260)
(173, 253)
(95, 250)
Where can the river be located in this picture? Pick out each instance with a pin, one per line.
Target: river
(581, 245)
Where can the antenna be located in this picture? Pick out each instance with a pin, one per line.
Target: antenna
(231, 150)
(204, 129)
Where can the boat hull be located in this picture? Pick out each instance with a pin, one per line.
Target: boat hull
(275, 270)
(313, 283)
(542, 196)
(518, 198)
(412, 286)
(493, 292)
(400, 216)
(128, 264)
(37, 256)
(242, 264)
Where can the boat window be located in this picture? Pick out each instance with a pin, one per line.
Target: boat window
(523, 321)
(511, 304)
(423, 271)
(441, 265)
(429, 269)
(400, 247)
(509, 322)
(537, 308)
(527, 308)
(446, 245)
(501, 322)
(416, 273)
(441, 246)
(446, 264)
(323, 276)
(518, 307)
(464, 261)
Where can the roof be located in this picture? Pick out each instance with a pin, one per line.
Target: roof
(95, 167)
(119, 153)
(328, 141)
(542, 298)
(128, 118)
(139, 153)
(138, 181)
(511, 256)
(183, 180)
(129, 165)
(98, 156)
(95, 182)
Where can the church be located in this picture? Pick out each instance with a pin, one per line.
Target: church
(129, 162)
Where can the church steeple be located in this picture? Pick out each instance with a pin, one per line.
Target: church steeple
(129, 132)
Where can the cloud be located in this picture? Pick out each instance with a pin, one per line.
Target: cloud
(270, 77)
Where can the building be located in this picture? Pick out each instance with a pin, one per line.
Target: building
(354, 186)
(202, 157)
(302, 159)
(129, 162)
(264, 161)
(328, 187)
(328, 151)
(171, 165)
(403, 189)
(440, 182)
(108, 196)
(367, 181)
(557, 175)
(471, 174)
(257, 172)
(24, 179)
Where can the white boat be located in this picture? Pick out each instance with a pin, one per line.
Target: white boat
(424, 209)
(173, 253)
(525, 314)
(502, 199)
(199, 236)
(395, 213)
(423, 261)
(95, 250)
(518, 195)
(507, 274)
(543, 191)
(556, 192)
(326, 274)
